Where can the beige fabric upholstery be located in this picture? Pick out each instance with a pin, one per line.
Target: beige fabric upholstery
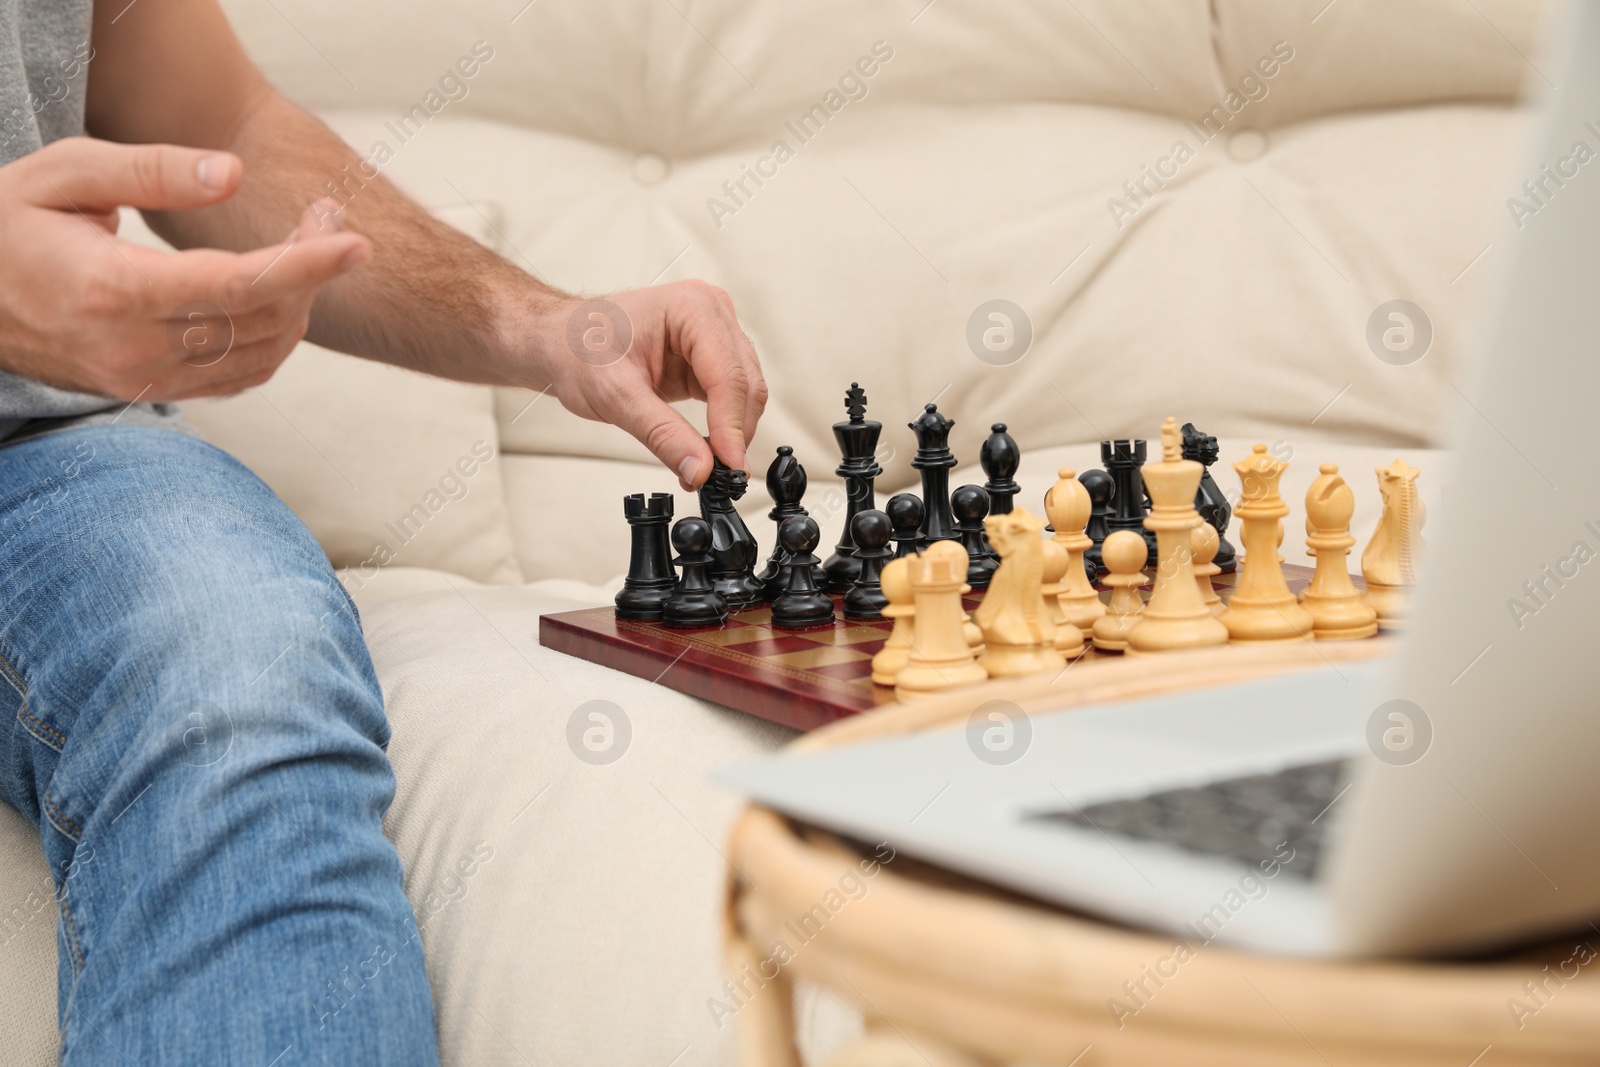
(1011, 127)
(28, 918)
(1126, 326)
(385, 465)
(611, 870)
(982, 162)
(1378, 54)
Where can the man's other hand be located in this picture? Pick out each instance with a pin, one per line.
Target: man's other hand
(83, 310)
(622, 358)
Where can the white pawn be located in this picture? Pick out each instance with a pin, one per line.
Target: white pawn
(1057, 563)
(1124, 553)
(892, 657)
(1068, 506)
(1204, 542)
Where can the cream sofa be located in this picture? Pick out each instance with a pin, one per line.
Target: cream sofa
(937, 155)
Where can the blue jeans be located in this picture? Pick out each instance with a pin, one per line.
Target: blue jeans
(192, 721)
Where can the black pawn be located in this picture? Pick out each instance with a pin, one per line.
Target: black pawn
(1209, 501)
(870, 532)
(905, 519)
(858, 445)
(970, 504)
(1098, 484)
(733, 547)
(1000, 457)
(1124, 461)
(934, 459)
(786, 484)
(801, 603)
(694, 601)
(650, 577)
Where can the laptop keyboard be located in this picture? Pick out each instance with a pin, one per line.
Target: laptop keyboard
(1255, 820)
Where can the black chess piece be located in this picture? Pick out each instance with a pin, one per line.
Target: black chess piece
(695, 600)
(801, 603)
(934, 460)
(999, 457)
(733, 547)
(786, 484)
(1124, 461)
(858, 446)
(970, 504)
(1098, 484)
(905, 518)
(869, 531)
(1209, 501)
(650, 576)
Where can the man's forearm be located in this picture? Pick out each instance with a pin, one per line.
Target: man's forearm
(431, 298)
(172, 73)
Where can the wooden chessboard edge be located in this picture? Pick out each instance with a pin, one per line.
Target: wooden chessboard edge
(1108, 681)
(564, 635)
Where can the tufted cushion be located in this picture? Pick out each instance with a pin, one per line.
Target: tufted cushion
(1239, 300)
(386, 466)
(1358, 54)
(986, 160)
(692, 78)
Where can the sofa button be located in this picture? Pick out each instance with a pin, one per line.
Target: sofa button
(1247, 145)
(650, 169)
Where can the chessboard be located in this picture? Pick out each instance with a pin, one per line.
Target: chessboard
(799, 678)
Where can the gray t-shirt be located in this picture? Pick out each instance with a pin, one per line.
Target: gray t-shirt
(45, 53)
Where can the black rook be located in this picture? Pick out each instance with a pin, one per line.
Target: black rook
(650, 576)
(1124, 461)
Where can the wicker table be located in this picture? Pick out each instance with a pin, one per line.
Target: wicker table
(950, 972)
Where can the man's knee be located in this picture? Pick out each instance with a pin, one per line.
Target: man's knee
(185, 611)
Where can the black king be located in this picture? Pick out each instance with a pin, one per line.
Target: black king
(858, 447)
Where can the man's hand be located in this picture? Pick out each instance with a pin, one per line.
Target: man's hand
(432, 299)
(671, 342)
(83, 310)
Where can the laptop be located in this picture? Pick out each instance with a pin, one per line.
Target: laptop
(1445, 800)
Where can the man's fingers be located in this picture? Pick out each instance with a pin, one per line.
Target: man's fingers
(756, 399)
(320, 216)
(240, 283)
(281, 270)
(669, 437)
(244, 366)
(96, 177)
(276, 319)
(720, 370)
(724, 369)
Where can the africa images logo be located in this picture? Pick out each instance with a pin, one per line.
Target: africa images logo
(1252, 87)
